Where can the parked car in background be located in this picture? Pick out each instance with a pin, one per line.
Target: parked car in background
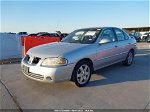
(22, 33)
(33, 34)
(44, 34)
(63, 35)
(145, 36)
(78, 55)
(148, 39)
(133, 36)
(11, 33)
(39, 34)
(136, 35)
(54, 35)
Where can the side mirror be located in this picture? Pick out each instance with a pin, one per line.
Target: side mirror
(105, 40)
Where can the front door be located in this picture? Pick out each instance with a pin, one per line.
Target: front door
(107, 50)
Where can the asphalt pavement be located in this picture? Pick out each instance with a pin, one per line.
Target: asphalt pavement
(113, 87)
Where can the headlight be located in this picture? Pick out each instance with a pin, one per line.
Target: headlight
(54, 62)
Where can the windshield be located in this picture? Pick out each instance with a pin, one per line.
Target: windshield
(84, 36)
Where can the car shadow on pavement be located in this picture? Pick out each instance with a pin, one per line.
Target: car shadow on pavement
(118, 73)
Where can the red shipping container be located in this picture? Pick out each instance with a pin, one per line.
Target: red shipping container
(33, 41)
(23, 37)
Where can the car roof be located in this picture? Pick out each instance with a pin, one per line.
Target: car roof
(97, 28)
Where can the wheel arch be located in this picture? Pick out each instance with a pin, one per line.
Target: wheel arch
(84, 59)
(132, 51)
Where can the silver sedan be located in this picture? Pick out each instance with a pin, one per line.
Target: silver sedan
(78, 55)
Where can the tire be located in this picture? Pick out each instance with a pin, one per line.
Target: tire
(82, 73)
(129, 59)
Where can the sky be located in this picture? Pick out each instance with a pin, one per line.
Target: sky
(66, 16)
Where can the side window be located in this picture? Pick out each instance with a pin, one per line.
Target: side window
(119, 34)
(108, 36)
(126, 36)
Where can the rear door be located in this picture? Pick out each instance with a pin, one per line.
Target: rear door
(123, 42)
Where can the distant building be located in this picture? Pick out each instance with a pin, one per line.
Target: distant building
(142, 30)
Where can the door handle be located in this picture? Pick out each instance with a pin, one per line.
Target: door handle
(116, 46)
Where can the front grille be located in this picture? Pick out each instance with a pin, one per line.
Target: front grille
(25, 70)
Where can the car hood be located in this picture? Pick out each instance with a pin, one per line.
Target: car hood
(55, 49)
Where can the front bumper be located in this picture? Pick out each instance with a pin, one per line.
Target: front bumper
(47, 74)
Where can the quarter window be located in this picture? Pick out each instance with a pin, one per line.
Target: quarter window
(119, 34)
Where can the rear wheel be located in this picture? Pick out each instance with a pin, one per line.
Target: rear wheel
(129, 59)
(82, 73)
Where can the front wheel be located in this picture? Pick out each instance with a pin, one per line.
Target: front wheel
(129, 59)
(82, 73)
